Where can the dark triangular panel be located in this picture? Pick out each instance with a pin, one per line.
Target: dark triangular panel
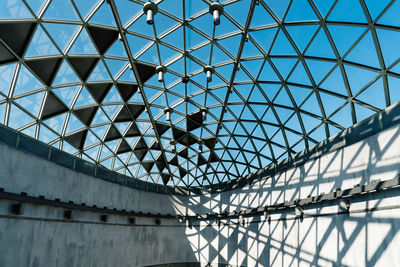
(210, 142)
(140, 154)
(6, 56)
(103, 38)
(99, 90)
(160, 165)
(187, 140)
(145, 71)
(191, 139)
(194, 121)
(86, 114)
(83, 65)
(165, 177)
(123, 147)
(141, 144)
(126, 90)
(123, 115)
(136, 109)
(148, 165)
(184, 153)
(182, 172)
(155, 146)
(112, 134)
(45, 68)
(17, 35)
(214, 157)
(77, 139)
(201, 160)
(174, 161)
(161, 127)
(177, 133)
(52, 107)
(133, 131)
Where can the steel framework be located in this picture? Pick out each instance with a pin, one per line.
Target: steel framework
(81, 76)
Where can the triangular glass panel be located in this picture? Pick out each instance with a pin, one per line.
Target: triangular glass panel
(300, 10)
(66, 94)
(99, 73)
(365, 52)
(41, 45)
(345, 36)
(278, 7)
(31, 103)
(374, 95)
(84, 98)
(83, 44)
(65, 75)
(103, 16)
(6, 77)
(354, 11)
(386, 40)
(320, 46)
(61, 10)
(302, 35)
(299, 75)
(26, 82)
(284, 65)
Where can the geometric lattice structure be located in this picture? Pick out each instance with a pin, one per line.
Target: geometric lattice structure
(82, 76)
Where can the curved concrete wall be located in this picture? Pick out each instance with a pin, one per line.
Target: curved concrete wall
(40, 238)
(323, 239)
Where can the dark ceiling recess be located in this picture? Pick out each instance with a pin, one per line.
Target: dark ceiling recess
(184, 153)
(155, 145)
(165, 177)
(129, 112)
(174, 161)
(123, 147)
(99, 90)
(182, 172)
(45, 68)
(194, 121)
(86, 114)
(132, 131)
(161, 127)
(126, 90)
(52, 107)
(210, 142)
(147, 165)
(112, 134)
(103, 38)
(201, 160)
(17, 35)
(77, 139)
(145, 71)
(140, 149)
(160, 164)
(6, 56)
(83, 65)
(123, 115)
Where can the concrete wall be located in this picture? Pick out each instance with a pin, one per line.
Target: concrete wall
(359, 239)
(40, 238)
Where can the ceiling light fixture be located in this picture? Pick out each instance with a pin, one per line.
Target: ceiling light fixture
(150, 9)
(216, 9)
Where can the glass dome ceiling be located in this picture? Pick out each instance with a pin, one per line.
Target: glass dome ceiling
(82, 76)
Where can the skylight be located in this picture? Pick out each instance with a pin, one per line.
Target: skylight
(193, 93)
